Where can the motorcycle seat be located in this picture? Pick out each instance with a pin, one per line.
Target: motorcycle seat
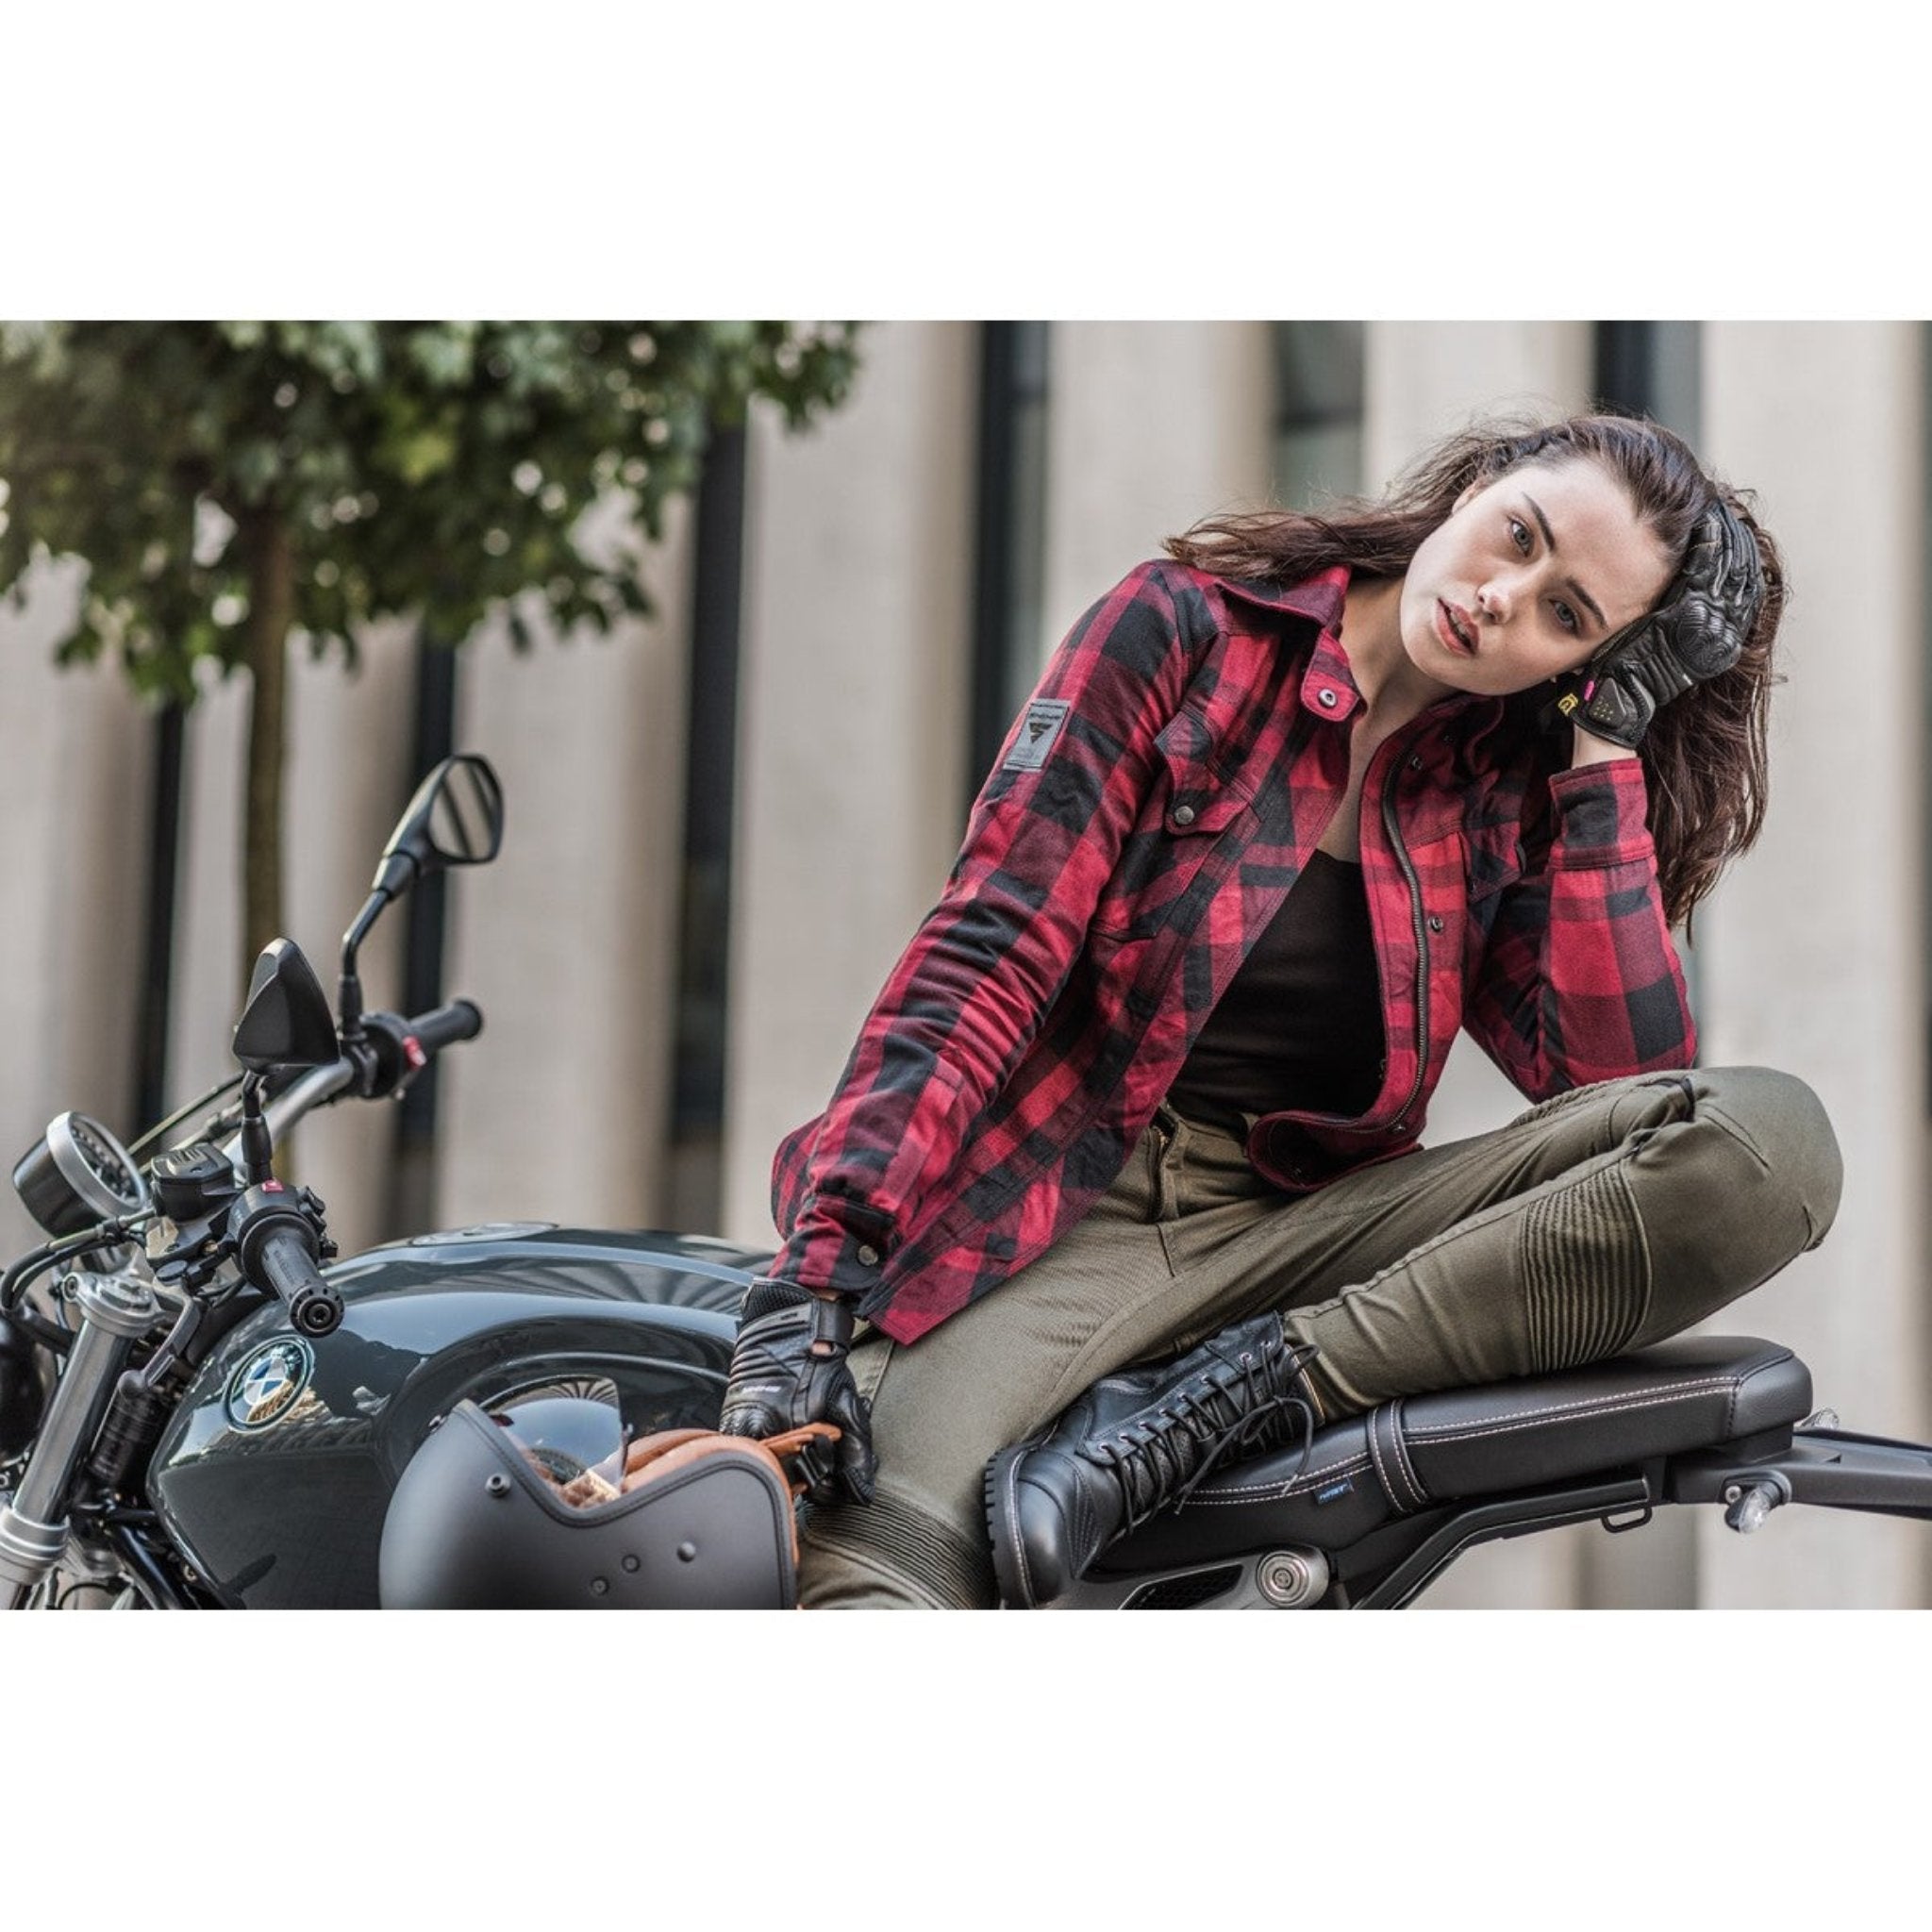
(1425, 1451)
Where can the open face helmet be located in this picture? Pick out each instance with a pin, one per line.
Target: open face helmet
(483, 1517)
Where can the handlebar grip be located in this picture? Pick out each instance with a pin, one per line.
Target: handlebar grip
(444, 1025)
(398, 1049)
(281, 1260)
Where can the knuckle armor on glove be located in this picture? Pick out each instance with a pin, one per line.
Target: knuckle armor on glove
(1697, 633)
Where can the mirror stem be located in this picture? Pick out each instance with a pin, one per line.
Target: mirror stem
(349, 993)
(379, 896)
(395, 876)
(258, 1149)
(349, 1009)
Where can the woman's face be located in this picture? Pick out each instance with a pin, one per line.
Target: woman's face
(1527, 578)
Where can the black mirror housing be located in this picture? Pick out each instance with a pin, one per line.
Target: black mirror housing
(455, 817)
(286, 1021)
(465, 818)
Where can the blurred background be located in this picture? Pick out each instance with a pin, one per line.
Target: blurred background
(738, 748)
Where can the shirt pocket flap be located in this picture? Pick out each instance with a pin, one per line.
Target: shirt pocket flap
(1494, 857)
(1200, 797)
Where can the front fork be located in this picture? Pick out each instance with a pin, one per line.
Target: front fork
(115, 1313)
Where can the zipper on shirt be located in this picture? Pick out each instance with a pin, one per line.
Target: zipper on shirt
(1390, 825)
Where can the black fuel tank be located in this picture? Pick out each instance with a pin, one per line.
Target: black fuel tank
(276, 1471)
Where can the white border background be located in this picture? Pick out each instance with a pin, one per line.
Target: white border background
(1135, 161)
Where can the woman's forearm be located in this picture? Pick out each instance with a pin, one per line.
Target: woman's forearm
(1592, 750)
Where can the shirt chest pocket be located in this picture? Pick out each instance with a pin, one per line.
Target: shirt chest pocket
(1492, 860)
(1193, 795)
(1163, 868)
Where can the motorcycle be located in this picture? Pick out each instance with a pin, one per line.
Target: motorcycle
(201, 1407)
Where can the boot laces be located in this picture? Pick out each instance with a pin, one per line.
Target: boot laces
(1165, 1454)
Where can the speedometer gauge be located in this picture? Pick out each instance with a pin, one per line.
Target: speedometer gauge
(78, 1173)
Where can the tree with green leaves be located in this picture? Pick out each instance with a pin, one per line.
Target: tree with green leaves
(232, 484)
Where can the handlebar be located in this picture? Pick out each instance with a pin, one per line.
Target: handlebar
(278, 1250)
(278, 1234)
(444, 1025)
(393, 1051)
(286, 1265)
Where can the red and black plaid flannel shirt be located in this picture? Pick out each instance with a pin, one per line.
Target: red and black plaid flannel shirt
(1156, 799)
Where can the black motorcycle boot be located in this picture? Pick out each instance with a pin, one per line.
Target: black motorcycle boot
(1134, 1443)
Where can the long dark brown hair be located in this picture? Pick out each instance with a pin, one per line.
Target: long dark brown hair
(1704, 756)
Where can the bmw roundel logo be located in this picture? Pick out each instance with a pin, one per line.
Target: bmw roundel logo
(265, 1387)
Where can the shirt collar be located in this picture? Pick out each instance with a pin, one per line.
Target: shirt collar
(1319, 596)
(1329, 688)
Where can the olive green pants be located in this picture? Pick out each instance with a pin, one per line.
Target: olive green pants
(1598, 1221)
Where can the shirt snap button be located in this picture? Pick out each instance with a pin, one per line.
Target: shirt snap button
(1184, 814)
(1326, 699)
(868, 1256)
(1435, 922)
(1415, 764)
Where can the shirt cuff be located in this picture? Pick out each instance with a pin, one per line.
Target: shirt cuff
(843, 1255)
(1600, 810)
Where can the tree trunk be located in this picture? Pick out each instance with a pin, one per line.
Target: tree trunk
(271, 613)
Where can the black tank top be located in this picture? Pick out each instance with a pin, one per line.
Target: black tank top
(1301, 1026)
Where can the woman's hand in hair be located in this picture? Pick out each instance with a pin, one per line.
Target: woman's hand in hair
(1696, 633)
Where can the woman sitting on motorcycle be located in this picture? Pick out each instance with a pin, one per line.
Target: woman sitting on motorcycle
(1143, 1100)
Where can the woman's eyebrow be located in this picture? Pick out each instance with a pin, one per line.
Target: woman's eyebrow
(1583, 596)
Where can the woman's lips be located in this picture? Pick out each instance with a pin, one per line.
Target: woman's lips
(1454, 627)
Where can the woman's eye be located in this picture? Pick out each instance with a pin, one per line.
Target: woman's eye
(1518, 534)
(1568, 618)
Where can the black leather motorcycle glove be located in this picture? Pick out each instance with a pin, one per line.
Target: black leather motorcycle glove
(1695, 634)
(789, 1368)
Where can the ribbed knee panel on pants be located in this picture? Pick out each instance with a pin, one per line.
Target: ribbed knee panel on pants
(1586, 1272)
(906, 1539)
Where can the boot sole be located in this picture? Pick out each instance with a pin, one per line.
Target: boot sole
(1009, 1559)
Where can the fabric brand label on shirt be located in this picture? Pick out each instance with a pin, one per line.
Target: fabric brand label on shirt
(1039, 731)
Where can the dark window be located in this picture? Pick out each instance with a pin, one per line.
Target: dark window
(1010, 565)
(695, 1187)
(163, 868)
(1655, 368)
(411, 1202)
(1318, 410)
